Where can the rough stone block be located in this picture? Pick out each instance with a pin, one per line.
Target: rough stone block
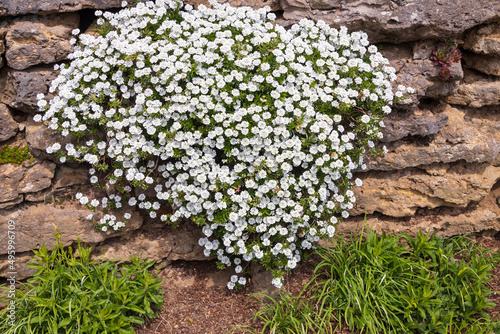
(415, 123)
(401, 193)
(37, 224)
(21, 7)
(477, 94)
(37, 177)
(68, 176)
(43, 40)
(9, 126)
(485, 40)
(465, 137)
(39, 137)
(10, 176)
(483, 63)
(398, 21)
(446, 222)
(20, 88)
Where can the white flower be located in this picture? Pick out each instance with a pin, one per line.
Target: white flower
(277, 282)
(217, 110)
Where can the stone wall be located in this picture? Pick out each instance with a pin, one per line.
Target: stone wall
(441, 172)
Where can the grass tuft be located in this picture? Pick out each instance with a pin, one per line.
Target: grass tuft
(391, 284)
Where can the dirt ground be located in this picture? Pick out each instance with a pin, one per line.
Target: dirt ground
(198, 302)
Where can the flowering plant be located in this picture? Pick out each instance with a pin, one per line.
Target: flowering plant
(247, 129)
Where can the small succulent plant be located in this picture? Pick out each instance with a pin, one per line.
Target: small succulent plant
(444, 55)
(444, 72)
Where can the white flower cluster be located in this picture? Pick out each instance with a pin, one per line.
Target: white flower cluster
(248, 129)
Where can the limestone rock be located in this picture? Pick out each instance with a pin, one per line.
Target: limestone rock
(477, 94)
(10, 176)
(9, 127)
(20, 266)
(262, 281)
(401, 193)
(37, 224)
(70, 176)
(39, 196)
(423, 49)
(10, 204)
(415, 123)
(467, 136)
(44, 40)
(2, 52)
(21, 7)
(486, 64)
(256, 4)
(484, 40)
(415, 69)
(37, 178)
(165, 243)
(446, 222)
(324, 4)
(20, 88)
(39, 137)
(397, 21)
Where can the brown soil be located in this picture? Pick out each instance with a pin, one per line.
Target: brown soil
(198, 302)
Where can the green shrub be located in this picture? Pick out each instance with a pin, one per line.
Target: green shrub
(71, 294)
(391, 284)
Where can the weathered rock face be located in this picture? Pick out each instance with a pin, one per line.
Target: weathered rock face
(9, 127)
(28, 179)
(21, 269)
(39, 137)
(36, 224)
(2, 52)
(10, 176)
(395, 21)
(477, 94)
(415, 69)
(21, 7)
(401, 193)
(41, 40)
(412, 123)
(486, 64)
(485, 40)
(443, 221)
(158, 244)
(67, 177)
(37, 178)
(256, 4)
(20, 88)
(465, 137)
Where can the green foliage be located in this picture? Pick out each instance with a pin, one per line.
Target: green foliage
(390, 284)
(14, 154)
(71, 294)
